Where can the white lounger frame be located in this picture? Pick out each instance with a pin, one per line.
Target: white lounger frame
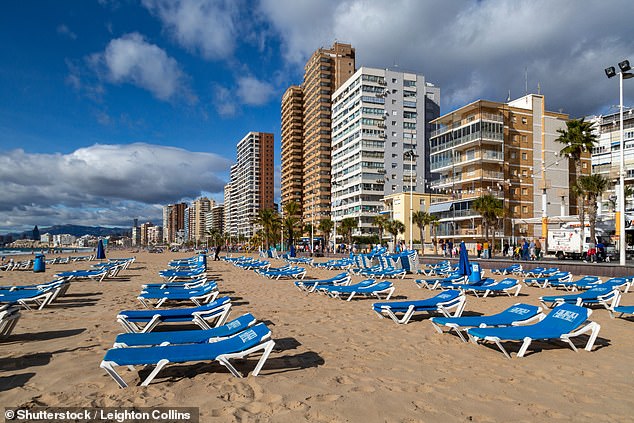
(198, 300)
(201, 318)
(457, 304)
(223, 359)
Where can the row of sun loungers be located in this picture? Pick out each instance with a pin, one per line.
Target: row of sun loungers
(217, 339)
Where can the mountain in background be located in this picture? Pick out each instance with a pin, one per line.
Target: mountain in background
(76, 230)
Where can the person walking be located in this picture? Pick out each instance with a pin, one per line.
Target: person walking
(450, 248)
(538, 249)
(525, 250)
(505, 250)
(485, 249)
(479, 249)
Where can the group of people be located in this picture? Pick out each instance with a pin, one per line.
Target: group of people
(528, 250)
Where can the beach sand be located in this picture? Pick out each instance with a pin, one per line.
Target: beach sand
(334, 361)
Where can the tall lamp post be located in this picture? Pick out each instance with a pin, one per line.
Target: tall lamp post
(624, 67)
(412, 155)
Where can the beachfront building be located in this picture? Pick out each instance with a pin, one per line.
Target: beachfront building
(605, 156)
(292, 145)
(380, 141)
(154, 235)
(46, 238)
(251, 183)
(215, 218)
(61, 240)
(136, 236)
(398, 207)
(197, 214)
(144, 232)
(173, 221)
(507, 150)
(306, 112)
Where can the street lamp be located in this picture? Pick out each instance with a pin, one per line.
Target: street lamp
(624, 66)
(412, 155)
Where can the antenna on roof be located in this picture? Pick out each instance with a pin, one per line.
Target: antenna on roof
(539, 88)
(509, 97)
(526, 80)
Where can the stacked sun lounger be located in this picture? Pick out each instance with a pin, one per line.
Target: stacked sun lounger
(366, 288)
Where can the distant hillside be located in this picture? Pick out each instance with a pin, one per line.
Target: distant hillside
(78, 231)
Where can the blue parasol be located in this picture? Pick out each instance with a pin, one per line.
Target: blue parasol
(101, 253)
(464, 268)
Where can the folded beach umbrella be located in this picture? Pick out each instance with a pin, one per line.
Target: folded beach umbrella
(464, 268)
(101, 254)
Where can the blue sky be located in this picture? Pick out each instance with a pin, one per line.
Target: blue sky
(109, 109)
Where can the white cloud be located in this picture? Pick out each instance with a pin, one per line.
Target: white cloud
(208, 28)
(103, 184)
(472, 49)
(131, 59)
(224, 102)
(254, 92)
(65, 31)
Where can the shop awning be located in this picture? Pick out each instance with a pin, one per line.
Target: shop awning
(440, 207)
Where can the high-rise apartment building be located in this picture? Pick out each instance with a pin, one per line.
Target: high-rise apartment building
(380, 141)
(197, 213)
(605, 155)
(215, 219)
(507, 150)
(144, 232)
(325, 71)
(292, 145)
(173, 221)
(251, 183)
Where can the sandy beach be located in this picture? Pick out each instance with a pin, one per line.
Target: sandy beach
(334, 361)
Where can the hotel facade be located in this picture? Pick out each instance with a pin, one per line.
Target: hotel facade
(507, 150)
(379, 118)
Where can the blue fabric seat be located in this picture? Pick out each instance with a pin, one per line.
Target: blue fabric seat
(146, 320)
(254, 339)
(603, 294)
(441, 303)
(198, 296)
(562, 323)
(516, 314)
(185, 336)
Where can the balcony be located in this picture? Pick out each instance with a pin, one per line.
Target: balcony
(465, 140)
(464, 159)
(467, 177)
(455, 125)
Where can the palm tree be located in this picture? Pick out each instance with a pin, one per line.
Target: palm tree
(291, 221)
(577, 138)
(593, 186)
(433, 221)
(325, 226)
(266, 219)
(379, 221)
(491, 209)
(422, 219)
(395, 227)
(346, 227)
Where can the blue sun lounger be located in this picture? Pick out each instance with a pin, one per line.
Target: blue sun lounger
(545, 281)
(310, 286)
(517, 314)
(508, 286)
(512, 269)
(172, 275)
(198, 296)
(604, 294)
(96, 275)
(254, 339)
(562, 323)
(441, 303)
(384, 287)
(434, 283)
(623, 310)
(585, 282)
(176, 284)
(146, 320)
(41, 297)
(9, 316)
(185, 336)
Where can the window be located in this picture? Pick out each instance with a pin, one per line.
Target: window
(524, 173)
(393, 101)
(393, 123)
(393, 167)
(524, 120)
(524, 191)
(516, 209)
(394, 134)
(524, 156)
(513, 155)
(394, 80)
(584, 165)
(524, 209)
(394, 113)
(514, 119)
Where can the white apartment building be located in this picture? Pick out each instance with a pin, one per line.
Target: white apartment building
(378, 117)
(251, 183)
(605, 156)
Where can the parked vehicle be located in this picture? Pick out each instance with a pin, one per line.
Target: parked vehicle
(565, 243)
